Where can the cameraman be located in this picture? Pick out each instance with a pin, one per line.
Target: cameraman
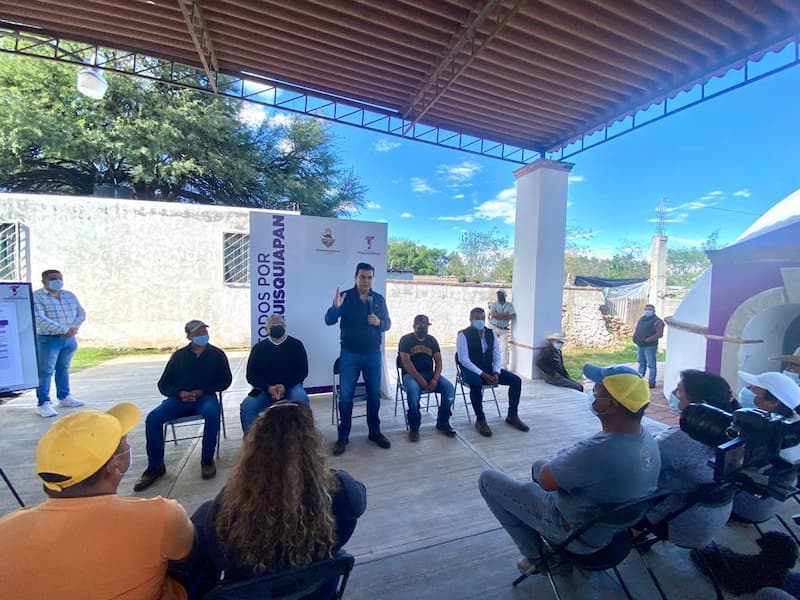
(776, 393)
(684, 465)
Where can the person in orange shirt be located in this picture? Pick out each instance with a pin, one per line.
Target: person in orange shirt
(85, 541)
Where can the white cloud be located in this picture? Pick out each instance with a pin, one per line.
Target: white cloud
(251, 114)
(465, 218)
(420, 185)
(459, 174)
(458, 196)
(396, 181)
(502, 206)
(384, 145)
(372, 205)
(406, 215)
(575, 179)
(281, 120)
(716, 193)
(745, 193)
(686, 241)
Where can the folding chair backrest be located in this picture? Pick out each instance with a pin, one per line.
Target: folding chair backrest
(399, 364)
(293, 584)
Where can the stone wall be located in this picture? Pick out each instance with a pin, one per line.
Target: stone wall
(585, 321)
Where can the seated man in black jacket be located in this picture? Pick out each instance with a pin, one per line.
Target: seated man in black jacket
(276, 369)
(190, 382)
(551, 362)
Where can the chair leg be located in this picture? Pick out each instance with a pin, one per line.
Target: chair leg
(222, 417)
(174, 436)
(496, 403)
(464, 397)
(11, 487)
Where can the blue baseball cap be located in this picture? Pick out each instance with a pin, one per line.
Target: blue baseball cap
(624, 384)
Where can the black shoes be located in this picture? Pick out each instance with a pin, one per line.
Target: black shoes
(208, 469)
(483, 428)
(517, 423)
(381, 440)
(149, 477)
(447, 430)
(652, 386)
(413, 434)
(339, 447)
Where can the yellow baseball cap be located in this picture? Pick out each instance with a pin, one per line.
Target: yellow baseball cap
(77, 446)
(624, 384)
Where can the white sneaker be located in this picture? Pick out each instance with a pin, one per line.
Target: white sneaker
(69, 402)
(46, 410)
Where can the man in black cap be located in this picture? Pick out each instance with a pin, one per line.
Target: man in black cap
(190, 382)
(421, 361)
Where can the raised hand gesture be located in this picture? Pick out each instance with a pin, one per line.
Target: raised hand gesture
(338, 299)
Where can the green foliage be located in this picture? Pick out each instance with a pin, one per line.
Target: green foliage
(480, 253)
(503, 270)
(161, 142)
(627, 262)
(685, 265)
(406, 255)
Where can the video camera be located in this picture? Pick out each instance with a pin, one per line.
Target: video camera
(748, 444)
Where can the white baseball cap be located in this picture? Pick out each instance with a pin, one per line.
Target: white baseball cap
(777, 384)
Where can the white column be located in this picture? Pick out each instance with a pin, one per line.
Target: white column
(539, 233)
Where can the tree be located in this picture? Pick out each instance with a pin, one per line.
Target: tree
(504, 269)
(480, 252)
(161, 142)
(685, 265)
(406, 255)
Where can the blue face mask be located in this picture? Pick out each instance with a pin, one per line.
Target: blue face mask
(55, 284)
(747, 399)
(793, 376)
(558, 345)
(649, 313)
(674, 401)
(590, 397)
(200, 340)
(479, 324)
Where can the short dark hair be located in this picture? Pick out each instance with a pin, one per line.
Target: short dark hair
(477, 309)
(650, 306)
(49, 272)
(707, 387)
(364, 267)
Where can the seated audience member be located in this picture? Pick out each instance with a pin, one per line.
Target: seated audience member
(85, 541)
(421, 360)
(791, 368)
(190, 382)
(276, 369)
(619, 464)
(685, 465)
(778, 394)
(551, 362)
(273, 514)
(478, 353)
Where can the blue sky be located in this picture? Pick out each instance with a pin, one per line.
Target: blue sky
(719, 165)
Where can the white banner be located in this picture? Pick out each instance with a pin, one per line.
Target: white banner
(296, 264)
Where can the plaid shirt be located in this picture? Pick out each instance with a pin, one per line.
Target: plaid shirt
(56, 314)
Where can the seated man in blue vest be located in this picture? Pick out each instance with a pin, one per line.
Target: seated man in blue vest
(479, 356)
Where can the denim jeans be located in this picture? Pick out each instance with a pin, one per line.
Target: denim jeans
(55, 355)
(524, 510)
(475, 384)
(351, 364)
(647, 359)
(172, 408)
(413, 392)
(252, 406)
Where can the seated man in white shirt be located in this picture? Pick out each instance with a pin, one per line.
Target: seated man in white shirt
(479, 356)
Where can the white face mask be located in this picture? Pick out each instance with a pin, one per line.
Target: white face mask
(747, 399)
(674, 401)
(793, 376)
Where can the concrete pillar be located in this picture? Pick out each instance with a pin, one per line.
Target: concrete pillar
(658, 272)
(539, 233)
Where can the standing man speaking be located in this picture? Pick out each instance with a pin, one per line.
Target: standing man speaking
(58, 316)
(364, 317)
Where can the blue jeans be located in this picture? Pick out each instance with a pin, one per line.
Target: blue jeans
(351, 364)
(55, 355)
(413, 392)
(172, 408)
(252, 406)
(647, 359)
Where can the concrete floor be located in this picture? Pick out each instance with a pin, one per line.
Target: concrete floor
(426, 533)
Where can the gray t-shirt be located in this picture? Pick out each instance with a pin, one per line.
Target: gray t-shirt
(605, 469)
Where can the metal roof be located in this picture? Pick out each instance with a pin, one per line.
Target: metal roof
(535, 74)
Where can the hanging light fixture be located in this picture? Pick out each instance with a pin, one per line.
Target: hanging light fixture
(92, 82)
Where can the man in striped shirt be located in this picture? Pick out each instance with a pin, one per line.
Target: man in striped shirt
(58, 316)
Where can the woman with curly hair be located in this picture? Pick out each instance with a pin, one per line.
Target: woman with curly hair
(282, 506)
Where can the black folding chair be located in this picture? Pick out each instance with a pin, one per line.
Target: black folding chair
(359, 395)
(400, 392)
(289, 585)
(460, 382)
(621, 517)
(189, 420)
(11, 487)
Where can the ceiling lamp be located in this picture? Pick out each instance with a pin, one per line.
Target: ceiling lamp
(92, 82)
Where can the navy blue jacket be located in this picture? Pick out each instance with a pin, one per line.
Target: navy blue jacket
(356, 334)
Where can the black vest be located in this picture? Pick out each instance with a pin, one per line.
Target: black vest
(645, 327)
(481, 359)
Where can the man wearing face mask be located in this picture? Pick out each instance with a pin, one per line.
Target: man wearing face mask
(58, 316)
(479, 356)
(276, 369)
(649, 329)
(619, 464)
(104, 546)
(422, 371)
(190, 382)
(551, 362)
